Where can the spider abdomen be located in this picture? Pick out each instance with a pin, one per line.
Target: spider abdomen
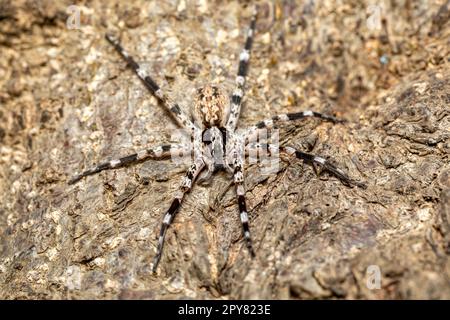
(211, 106)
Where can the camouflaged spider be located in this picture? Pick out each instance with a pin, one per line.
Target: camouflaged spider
(224, 149)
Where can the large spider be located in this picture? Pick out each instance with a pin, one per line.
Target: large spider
(216, 144)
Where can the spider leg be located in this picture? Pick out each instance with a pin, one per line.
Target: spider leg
(213, 154)
(287, 117)
(238, 92)
(240, 193)
(319, 162)
(152, 86)
(185, 187)
(156, 153)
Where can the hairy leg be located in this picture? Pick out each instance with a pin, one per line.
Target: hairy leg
(238, 92)
(156, 153)
(152, 86)
(185, 187)
(253, 131)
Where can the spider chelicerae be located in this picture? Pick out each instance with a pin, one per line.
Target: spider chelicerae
(216, 143)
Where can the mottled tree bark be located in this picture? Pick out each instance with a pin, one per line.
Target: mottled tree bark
(68, 101)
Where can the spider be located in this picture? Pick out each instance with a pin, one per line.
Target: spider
(216, 143)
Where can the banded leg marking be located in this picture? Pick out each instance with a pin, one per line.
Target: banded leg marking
(295, 116)
(286, 117)
(240, 192)
(186, 185)
(323, 163)
(238, 92)
(157, 153)
(151, 85)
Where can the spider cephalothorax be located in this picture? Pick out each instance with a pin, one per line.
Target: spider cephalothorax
(216, 145)
(211, 106)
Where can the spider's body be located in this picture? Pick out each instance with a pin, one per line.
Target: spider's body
(216, 144)
(211, 107)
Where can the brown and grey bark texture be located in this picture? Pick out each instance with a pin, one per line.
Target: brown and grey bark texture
(67, 101)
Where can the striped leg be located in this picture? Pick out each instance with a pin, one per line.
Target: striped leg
(240, 192)
(316, 161)
(157, 153)
(185, 187)
(321, 163)
(238, 93)
(286, 117)
(152, 86)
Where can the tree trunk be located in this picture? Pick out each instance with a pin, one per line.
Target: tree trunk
(68, 101)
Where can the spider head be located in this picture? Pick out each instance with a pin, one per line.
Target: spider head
(211, 106)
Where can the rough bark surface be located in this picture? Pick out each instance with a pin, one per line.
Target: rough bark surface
(68, 101)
